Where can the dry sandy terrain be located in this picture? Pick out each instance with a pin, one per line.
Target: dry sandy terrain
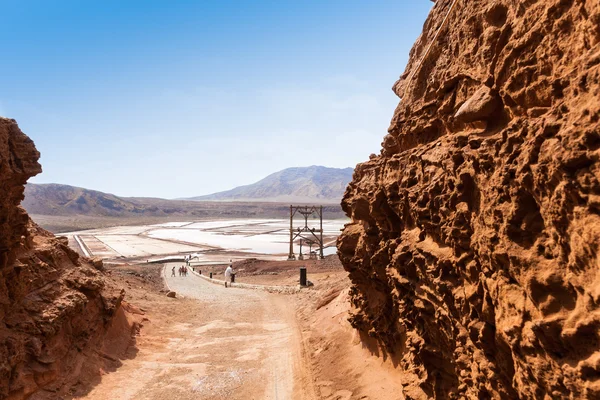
(217, 343)
(212, 343)
(274, 272)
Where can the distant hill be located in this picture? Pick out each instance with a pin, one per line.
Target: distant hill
(55, 199)
(62, 208)
(302, 184)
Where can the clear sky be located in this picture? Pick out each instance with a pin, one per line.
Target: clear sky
(183, 98)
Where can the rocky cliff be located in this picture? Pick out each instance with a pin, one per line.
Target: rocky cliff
(474, 243)
(55, 307)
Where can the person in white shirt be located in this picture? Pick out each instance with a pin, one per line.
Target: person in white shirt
(228, 273)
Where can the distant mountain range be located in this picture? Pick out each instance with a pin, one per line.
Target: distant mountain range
(61, 207)
(302, 184)
(56, 199)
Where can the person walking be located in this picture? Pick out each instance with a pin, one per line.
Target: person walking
(228, 274)
(173, 272)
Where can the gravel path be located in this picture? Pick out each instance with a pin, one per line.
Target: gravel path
(195, 287)
(255, 329)
(212, 342)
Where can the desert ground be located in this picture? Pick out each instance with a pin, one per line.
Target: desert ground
(213, 342)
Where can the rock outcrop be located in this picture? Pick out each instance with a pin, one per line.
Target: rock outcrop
(55, 307)
(474, 243)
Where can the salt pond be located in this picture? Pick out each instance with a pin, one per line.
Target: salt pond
(215, 238)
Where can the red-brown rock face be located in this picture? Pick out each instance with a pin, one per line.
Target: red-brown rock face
(54, 307)
(474, 246)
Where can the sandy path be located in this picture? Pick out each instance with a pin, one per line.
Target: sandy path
(215, 343)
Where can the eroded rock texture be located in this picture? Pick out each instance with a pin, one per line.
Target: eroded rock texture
(474, 245)
(54, 307)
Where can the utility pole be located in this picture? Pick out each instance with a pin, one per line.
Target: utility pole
(321, 232)
(291, 255)
(307, 235)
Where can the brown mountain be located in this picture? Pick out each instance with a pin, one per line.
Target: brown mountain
(298, 184)
(55, 199)
(61, 208)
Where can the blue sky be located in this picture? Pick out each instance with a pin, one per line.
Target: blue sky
(183, 98)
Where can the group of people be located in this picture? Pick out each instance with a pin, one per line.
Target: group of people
(183, 271)
(229, 273)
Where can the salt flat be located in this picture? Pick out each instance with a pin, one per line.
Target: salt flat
(140, 246)
(213, 240)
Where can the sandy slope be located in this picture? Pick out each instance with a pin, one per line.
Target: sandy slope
(213, 343)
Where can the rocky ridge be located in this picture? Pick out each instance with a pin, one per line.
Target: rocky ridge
(473, 247)
(55, 307)
(314, 184)
(63, 208)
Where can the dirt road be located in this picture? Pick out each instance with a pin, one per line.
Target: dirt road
(214, 343)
